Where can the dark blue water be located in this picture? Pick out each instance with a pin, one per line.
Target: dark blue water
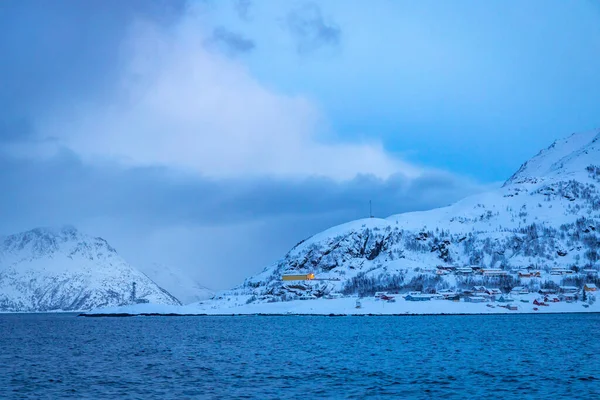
(453, 357)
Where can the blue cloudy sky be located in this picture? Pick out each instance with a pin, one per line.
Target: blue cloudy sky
(214, 135)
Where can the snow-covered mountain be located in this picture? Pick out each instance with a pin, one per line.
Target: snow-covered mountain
(64, 269)
(178, 283)
(547, 215)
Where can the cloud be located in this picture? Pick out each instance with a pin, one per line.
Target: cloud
(311, 30)
(175, 153)
(229, 42)
(242, 8)
(158, 197)
(179, 105)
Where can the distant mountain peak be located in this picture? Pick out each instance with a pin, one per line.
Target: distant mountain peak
(61, 268)
(564, 156)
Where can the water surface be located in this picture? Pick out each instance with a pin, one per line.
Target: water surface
(451, 357)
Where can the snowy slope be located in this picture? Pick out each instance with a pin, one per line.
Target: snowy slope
(561, 157)
(547, 215)
(63, 269)
(178, 283)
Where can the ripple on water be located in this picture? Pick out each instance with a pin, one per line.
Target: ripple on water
(61, 356)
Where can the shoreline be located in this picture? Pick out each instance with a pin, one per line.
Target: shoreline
(125, 315)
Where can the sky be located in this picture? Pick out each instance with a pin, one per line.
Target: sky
(212, 136)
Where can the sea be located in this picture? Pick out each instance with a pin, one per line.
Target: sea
(56, 356)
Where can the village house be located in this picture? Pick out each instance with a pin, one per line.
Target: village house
(568, 297)
(445, 293)
(592, 272)
(417, 297)
(529, 274)
(494, 272)
(552, 299)
(463, 271)
(547, 291)
(475, 299)
(504, 299)
(519, 290)
(568, 289)
(493, 292)
(454, 297)
(590, 287)
(560, 271)
(478, 290)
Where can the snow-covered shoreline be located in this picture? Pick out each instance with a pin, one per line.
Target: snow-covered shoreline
(347, 306)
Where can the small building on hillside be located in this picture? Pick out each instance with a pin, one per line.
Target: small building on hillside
(479, 290)
(568, 289)
(529, 274)
(551, 298)
(463, 271)
(589, 271)
(494, 272)
(446, 291)
(475, 299)
(493, 291)
(504, 299)
(568, 297)
(560, 271)
(590, 287)
(519, 290)
(417, 297)
(298, 277)
(547, 291)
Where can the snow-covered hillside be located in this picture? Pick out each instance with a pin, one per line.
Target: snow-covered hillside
(63, 269)
(179, 284)
(547, 215)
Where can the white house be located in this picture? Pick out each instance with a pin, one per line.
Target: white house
(475, 299)
(494, 272)
(568, 289)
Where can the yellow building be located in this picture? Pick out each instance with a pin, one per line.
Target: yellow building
(303, 277)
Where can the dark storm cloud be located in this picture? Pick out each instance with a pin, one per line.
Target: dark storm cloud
(229, 42)
(310, 29)
(62, 189)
